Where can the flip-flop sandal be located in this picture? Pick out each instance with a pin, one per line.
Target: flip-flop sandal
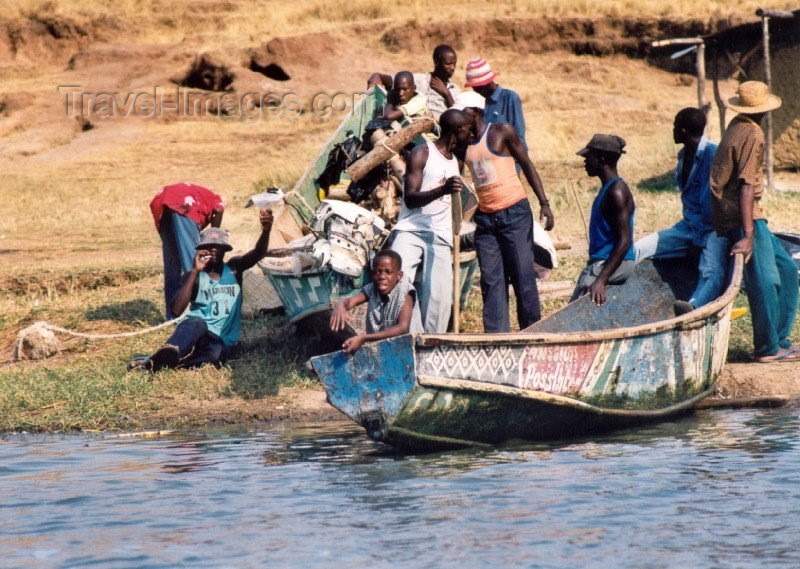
(782, 355)
(138, 362)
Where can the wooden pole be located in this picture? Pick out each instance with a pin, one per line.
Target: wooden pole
(717, 96)
(388, 147)
(768, 77)
(455, 208)
(701, 76)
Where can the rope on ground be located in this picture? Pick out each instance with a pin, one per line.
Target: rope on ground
(38, 340)
(130, 334)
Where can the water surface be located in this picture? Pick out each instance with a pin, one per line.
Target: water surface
(717, 489)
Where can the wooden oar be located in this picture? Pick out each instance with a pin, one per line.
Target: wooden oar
(455, 208)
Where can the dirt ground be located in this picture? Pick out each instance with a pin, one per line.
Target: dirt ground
(760, 380)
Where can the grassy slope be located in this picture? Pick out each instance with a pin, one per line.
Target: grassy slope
(80, 209)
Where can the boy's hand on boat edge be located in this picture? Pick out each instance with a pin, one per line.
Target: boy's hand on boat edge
(352, 344)
(597, 291)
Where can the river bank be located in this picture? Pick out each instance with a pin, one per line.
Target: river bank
(86, 387)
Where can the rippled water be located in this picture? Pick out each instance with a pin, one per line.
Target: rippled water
(718, 489)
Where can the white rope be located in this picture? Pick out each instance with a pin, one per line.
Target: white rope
(55, 328)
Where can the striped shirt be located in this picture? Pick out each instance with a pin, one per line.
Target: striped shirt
(739, 159)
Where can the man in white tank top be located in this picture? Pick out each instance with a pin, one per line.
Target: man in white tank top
(423, 235)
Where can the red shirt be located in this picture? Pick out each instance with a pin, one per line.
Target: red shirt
(195, 202)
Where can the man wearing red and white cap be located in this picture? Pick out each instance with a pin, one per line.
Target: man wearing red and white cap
(502, 105)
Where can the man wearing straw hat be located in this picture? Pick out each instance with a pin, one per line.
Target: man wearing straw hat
(737, 185)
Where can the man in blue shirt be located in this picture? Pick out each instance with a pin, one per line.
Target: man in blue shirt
(695, 230)
(502, 105)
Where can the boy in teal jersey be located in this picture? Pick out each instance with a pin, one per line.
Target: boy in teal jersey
(212, 291)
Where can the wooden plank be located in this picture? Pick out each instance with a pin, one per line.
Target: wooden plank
(701, 76)
(774, 14)
(768, 76)
(677, 41)
(559, 400)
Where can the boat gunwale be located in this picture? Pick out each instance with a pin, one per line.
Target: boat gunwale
(557, 400)
(686, 321)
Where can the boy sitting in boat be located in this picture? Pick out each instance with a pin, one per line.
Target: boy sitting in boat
(611, 255)
(392, 308)
(404, 101)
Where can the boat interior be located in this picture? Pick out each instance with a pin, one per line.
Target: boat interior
(646, 297)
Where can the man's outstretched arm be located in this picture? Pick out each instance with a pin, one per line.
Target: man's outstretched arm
(249, 259)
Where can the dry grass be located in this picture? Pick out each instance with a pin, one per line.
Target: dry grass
(163, 20)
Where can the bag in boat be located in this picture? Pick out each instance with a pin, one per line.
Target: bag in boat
(339, 158)
(346, 236)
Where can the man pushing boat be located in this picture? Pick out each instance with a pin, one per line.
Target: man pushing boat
(611, 255)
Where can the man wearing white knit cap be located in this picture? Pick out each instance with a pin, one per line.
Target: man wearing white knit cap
(502, 104)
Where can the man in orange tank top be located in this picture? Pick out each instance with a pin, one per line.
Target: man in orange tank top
(504, 233)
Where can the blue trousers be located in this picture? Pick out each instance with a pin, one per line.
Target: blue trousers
(677, 242)
(504, 243)
(179, 236)
(196, 345)
(772, 290)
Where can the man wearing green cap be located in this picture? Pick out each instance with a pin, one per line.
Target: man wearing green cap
(611, 256)
(212, 290)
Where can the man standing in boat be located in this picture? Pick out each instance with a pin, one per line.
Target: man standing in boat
(611, 256)
(435, 86)
(504, 232)
(737, 185)
(695, 230)
(423, 234)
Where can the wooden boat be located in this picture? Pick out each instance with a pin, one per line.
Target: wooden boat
(585, 369)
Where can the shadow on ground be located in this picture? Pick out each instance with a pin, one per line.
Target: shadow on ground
(658, 184)
(138, 310)
(270, 354)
